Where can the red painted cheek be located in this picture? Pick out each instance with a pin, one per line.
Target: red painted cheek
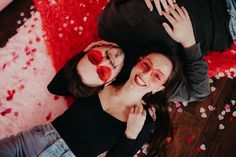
(95, 57)
(104, 73)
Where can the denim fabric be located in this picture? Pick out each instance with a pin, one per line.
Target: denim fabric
(42, 140)
(231, 4)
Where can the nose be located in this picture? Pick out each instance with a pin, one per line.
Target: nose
(147, 75)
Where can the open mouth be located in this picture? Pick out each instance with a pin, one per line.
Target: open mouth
(139, 81)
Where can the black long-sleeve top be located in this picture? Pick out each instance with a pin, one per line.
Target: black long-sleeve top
(89, 131)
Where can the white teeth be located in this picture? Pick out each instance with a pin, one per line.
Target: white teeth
(139, 81)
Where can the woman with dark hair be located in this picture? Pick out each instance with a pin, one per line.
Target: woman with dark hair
(93, 125)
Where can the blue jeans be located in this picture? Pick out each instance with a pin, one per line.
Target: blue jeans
(42, 141)
(231, 4)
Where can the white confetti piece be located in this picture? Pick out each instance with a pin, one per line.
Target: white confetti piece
(169, 109)
(210, 80)
(217, 77)
(31, 7)
(221, 74)
(223, 112)
(76, 28)
(213, 89)
(80, 33)
(32, 13)
(204, 115)
(72, 22)
(81, 28)
(22, 14)
(185, 103)
(67, 17)
(211, 108)
(234, 114)
(203, 147)
(85, 18)
(233, 102)
(25, 19)
(221, 126)
(19, 22)
(64, 25)
(220, 117)
(202, 110)
(180, 110)
(60, 35)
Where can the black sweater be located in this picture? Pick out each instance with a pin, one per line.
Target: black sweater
(89, 131)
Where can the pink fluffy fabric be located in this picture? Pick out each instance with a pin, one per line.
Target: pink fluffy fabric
(30, 59)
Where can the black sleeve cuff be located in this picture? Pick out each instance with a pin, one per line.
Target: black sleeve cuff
(193, 53)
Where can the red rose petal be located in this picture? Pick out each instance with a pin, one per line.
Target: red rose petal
(48, 117)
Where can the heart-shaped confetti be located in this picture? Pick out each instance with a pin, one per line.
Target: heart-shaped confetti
(220, 117)
(213, 89)
(221, 74)
(233, 102)
(234, 114)
(177, 104)
(210, 80)
(204, 115)
(223, 112)
(221, 126)
(180, 110)
(185, 103)
(203, 147)
(211, 108)
(202, 110)
(227, 108)
(60, 35)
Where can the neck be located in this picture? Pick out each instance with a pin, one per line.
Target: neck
(128, 94)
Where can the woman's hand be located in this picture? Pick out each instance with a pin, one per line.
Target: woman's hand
(182, 31)
(99, 43)
(135, 122)
(158, 3)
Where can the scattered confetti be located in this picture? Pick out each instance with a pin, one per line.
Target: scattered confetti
(220, 117)
(227, 108)
(221, 126)
(177, 104)
(22, 14)
(213, 89)
(204, 115)
(6, 111)
(211, 108)
(60, 35)
(202, 110)
(180, 110)
(234, 114)
(223, 112)
(203, 147)
(210, 80)
(169, 139)
(233, 102)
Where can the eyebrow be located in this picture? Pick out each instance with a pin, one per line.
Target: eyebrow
(156, 69)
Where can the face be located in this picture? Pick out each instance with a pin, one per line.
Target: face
(151, 72)
(100, 65)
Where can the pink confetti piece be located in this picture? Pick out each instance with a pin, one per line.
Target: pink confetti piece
(168, 139)
(202, 110)
(76, 28)
(177, 104)
(60, 35)
(180, 110)
(48, 117)
(21, 87)
(6, 111)
(37, 39)
(227, 108)
(22, 14)
(30, 42)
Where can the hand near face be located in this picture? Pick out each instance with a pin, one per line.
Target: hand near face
(135, 122)
(182, 31)
(99, 43)
(159, 4)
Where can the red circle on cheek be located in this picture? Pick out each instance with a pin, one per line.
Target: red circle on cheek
(95, 57)
(104, 73)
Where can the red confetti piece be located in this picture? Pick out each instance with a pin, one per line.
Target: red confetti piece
(32, 26)
(28, 63)
(30, 42)
(37, 39)
(189, 139)
(35, 19)
(7, 111)
(39, 104)
(56, 97)
(10, 94)
(16, 114)
(21, 87)
(34, 50)
(198, 148)
(24, 68)
(48, 117)
(4, 66)
(29, 31)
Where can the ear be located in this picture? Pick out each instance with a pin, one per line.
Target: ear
(159, 89)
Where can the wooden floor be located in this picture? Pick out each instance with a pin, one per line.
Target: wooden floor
(191, 130)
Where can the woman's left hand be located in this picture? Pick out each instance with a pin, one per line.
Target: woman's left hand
(182, 31)
(159, 4)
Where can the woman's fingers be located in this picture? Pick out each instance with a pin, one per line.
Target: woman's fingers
(158, 6)
(169, 18)
(185, 12)
(180, 11)
(149, 4)
(169, 30)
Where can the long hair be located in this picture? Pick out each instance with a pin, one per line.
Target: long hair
(163, 125)
(74, 80)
